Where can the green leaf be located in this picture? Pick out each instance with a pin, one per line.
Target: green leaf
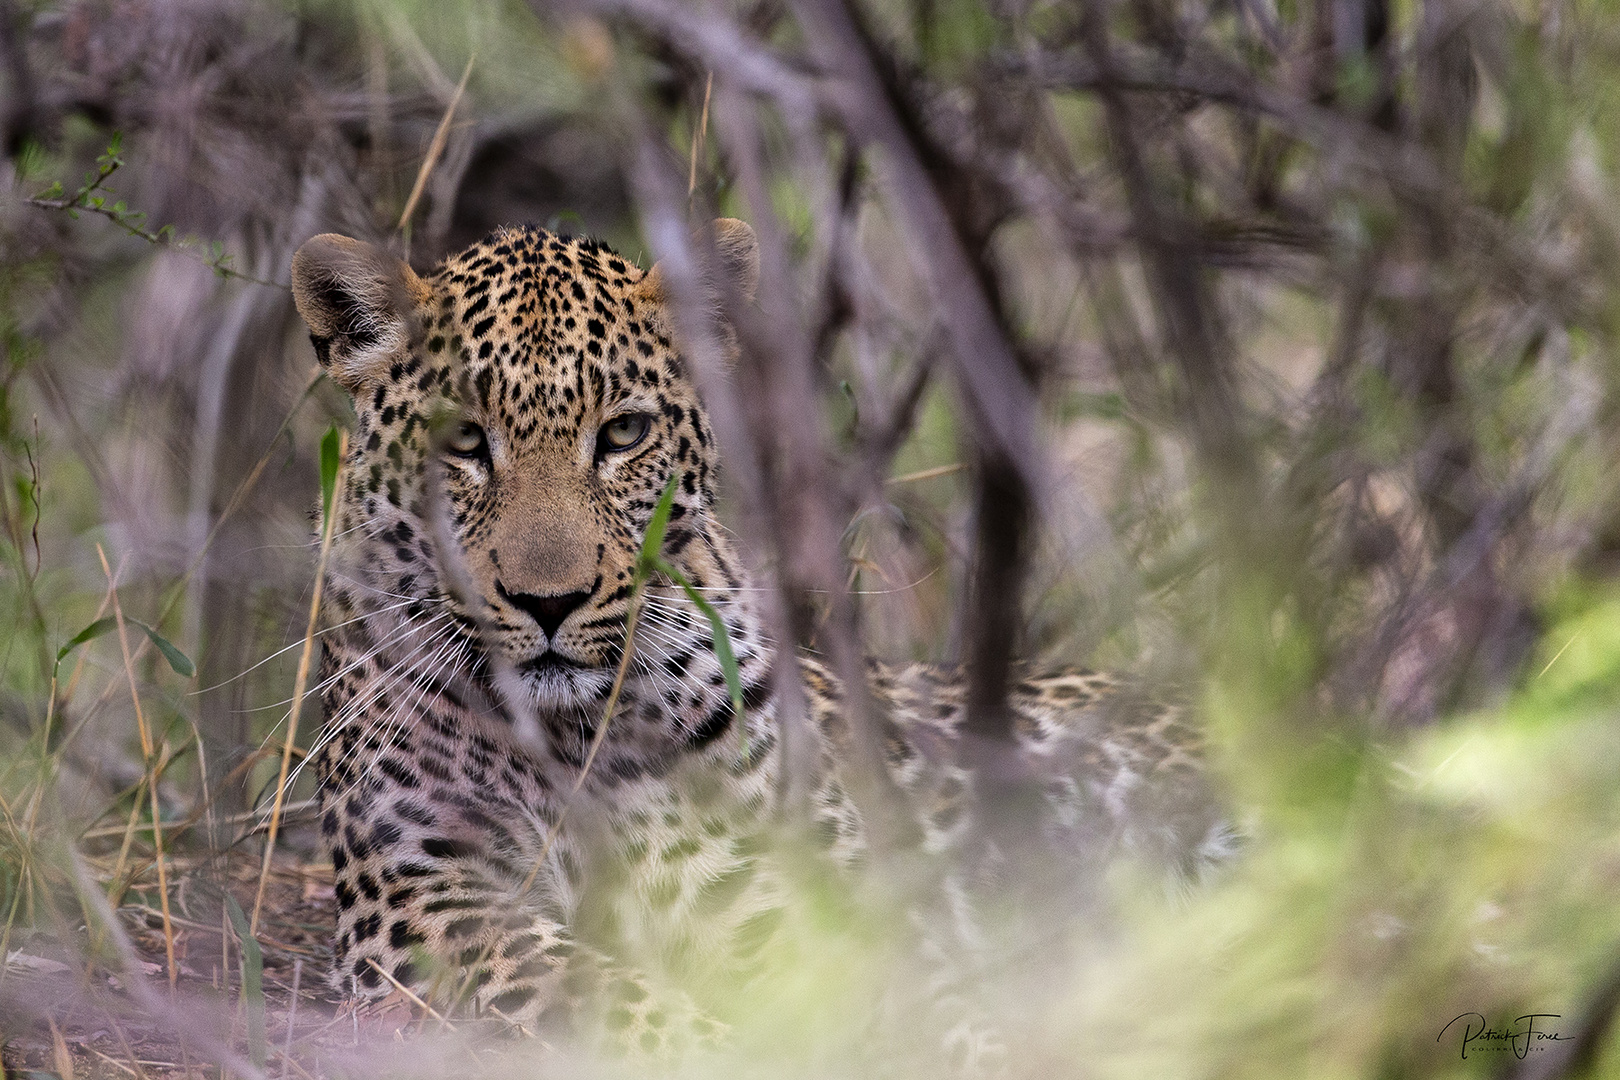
(94, 630)
(179, 661)
(329, 471)
(650, 561)
(252, 982)
(722, 644)
(653, 542)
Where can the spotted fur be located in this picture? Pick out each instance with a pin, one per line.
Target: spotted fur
(518, 413)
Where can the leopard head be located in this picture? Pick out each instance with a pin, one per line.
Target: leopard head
(523, 406)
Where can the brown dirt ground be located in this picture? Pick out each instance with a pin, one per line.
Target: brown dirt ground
(62, 1016)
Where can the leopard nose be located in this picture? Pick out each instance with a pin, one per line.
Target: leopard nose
(548, 611)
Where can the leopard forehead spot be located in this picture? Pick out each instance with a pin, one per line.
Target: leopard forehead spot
(542, 334)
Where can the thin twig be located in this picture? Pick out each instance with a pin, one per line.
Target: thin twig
(123, 1042)
(129, 221)
(109, 1059)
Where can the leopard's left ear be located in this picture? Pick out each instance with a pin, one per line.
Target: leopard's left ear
(738, 249)
(358, 301)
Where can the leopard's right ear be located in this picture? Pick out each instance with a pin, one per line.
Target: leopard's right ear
(358, 301)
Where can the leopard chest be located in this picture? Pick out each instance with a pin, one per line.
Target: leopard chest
(679, 873)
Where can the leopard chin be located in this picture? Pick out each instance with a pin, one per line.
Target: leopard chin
(558, 684)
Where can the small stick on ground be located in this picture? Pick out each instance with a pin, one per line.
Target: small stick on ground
(403, 989)
(292, 1016)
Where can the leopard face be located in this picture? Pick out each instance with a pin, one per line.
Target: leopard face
(522, 407)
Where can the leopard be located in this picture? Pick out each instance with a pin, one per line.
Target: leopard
(502, 843)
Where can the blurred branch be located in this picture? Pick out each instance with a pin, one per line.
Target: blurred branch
(997, 393)
(1188, 322)
(781, 355)
(720, 46)
(999, 396)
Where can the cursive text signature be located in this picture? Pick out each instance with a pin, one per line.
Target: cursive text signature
(1521, 1037)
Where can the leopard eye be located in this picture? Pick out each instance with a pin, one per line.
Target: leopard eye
(622, 432)
(467, 440)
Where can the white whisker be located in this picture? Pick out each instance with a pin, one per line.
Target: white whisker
(297, 644)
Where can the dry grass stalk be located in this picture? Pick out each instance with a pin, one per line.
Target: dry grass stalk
(435, 148)
(406, 992)
(300, 687)
(153, 765)
(927, 474)
(632, 621)
(698, 138)
(59, 1052)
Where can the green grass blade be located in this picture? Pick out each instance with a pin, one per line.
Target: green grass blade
(329, 471)
(252, 982)
(179, 661)
(89, 633)
(722, 644)
(653, 542)
(649, 561)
